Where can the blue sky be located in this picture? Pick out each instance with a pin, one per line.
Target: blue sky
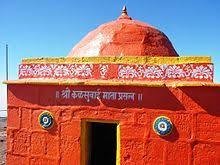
(50, 28)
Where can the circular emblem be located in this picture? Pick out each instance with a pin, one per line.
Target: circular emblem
(46, 120)
(162, 125)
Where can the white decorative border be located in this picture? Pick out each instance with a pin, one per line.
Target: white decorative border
(188, 72)
(184, 71)
(56, 70)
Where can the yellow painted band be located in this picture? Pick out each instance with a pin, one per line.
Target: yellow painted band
(118, 149)
(121, 60)
(111, 83)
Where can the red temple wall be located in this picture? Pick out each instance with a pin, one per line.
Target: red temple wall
(194, 112)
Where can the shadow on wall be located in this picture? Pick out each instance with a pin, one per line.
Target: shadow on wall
(44, 95)
(208, 98)
(173, 136)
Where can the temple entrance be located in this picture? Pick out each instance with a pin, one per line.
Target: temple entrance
(99, 143)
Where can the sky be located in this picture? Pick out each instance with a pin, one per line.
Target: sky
(50, 28)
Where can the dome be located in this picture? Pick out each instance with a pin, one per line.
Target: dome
(124, 37)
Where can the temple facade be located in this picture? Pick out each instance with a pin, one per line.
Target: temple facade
(122, 96)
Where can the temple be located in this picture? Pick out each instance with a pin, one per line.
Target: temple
(123, 95)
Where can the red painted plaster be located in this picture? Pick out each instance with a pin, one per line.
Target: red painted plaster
(193, 111)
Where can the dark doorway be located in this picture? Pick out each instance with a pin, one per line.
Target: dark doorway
(102, 143)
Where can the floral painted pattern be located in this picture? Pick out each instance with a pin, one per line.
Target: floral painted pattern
(161, 72)
(186, 72)
(55, 71)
